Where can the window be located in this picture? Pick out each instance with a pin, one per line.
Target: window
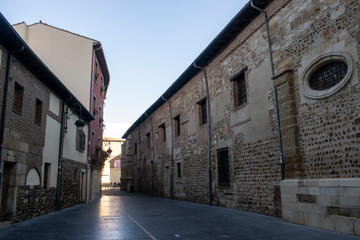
(38, 112)
(96, 71)
(99, 141)
(223, 167)
(177, 125)
(18, 98)
(80, 141)
(326, 75)
(75, 176)
(162, 131)
(100, 116)
(94, 105)
(101, 85)
(178, 167)
(202, 111)
(239, 86)
(135, 148)
(148, 139)
(47, 168)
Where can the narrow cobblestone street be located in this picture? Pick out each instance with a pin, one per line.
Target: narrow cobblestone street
(120, 215)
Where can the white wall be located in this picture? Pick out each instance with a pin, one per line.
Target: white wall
(69, 56)
(70, 151)
(51, 148)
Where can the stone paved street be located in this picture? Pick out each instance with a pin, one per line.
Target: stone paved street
(120, 215)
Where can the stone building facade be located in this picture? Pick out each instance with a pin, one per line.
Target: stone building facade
(37, 134)
(315, 52)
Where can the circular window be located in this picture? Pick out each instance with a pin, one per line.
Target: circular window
(326, 75)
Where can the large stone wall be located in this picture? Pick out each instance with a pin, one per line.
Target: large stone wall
(332, 204)
(34, 201)
(320, 136)
(71, 183)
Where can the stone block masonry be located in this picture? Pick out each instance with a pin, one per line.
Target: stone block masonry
(332, 204)
(34, 201)
(320, 125)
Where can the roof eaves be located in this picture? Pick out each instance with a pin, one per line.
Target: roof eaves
(11, 41)
(220, 42)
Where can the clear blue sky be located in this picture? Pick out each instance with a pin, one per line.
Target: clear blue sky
(147, 43)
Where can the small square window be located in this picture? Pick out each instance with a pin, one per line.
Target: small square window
(177, 125)
(202, 111)
(18, 98)
(38, 112)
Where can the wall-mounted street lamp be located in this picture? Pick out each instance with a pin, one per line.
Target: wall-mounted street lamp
(80, 123)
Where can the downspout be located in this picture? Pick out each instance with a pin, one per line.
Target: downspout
(172, 150)
(209, 131)
(153, 153)
(282, 164)
(3, 110)
(59, 176)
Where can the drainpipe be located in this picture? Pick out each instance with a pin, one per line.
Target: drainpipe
(3, 111)
(209, 132)
(172, 150)
(153, 154)
(58, 183)
(282, 164)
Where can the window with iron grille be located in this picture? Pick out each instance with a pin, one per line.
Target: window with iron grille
(178, 166)
(38, 112)
(202, 111)
(239, 83)
(223, 167)
(162, 131)
(47, 170)
(177, 125)
(80, 141)
(18, 98)
(327, 75)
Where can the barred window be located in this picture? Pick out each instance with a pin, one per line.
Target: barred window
(162, 130)
(239, 88)
(223, 167)
(38, 112)
(177, 125)
(80, 141)
(18, 98)
(148, 139)
(327, 75)
(202, 111)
